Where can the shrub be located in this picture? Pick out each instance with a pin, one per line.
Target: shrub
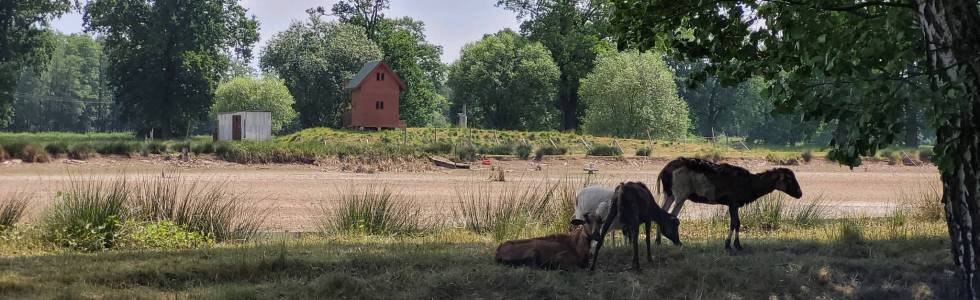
(56, 149)
(926, 154)
(498, 149)
(164, 234)
(438, 148)
(86, 217)
(203, 148)
(605, 150)
(373, 210)
(807, 155)
(180, 146)
(14, 149)
(549, 150)
(33, 153)
(466, 152)
(644, 151)
(12, 207)
(523, 151)
(81, 151)
(155, 147)
(117, 148)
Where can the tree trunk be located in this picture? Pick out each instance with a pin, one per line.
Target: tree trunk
(912, 124)
(568, 104)
(953, 39)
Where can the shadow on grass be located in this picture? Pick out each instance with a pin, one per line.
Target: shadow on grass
(893, 269)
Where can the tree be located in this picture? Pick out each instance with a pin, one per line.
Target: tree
(716, 108)
(842, 61)
(24, 41)
(574, 32)
(631, 95)
(505, 82)
(70, 94)
(403, 42)
(316, 58)
(266, 94)
(166, 57)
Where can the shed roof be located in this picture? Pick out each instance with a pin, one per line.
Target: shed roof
(366, 70)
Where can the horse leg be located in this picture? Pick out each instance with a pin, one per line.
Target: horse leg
(649, 255)
(733, 215)
(602, 237)
(635, 238)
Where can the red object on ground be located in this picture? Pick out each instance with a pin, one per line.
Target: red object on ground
(487, 162)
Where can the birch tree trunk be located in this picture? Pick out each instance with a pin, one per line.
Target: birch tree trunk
(952, 32)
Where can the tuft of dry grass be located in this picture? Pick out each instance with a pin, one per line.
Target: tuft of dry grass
(514, 212)
(372, 210)
(12, 208)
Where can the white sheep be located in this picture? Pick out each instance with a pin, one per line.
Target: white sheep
(593, 202)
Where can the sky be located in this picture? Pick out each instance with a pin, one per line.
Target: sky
(449, 23)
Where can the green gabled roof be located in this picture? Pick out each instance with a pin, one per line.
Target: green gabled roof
(366, 70)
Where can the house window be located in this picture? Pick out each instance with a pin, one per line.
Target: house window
(379, 105)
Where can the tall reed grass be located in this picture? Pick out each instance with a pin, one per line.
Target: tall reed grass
(88, 215)
(374, 209)
(12, 208)
(513, 212)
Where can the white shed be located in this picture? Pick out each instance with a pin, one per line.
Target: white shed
(245, 125)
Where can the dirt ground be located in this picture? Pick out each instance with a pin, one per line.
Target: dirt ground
(296, 192)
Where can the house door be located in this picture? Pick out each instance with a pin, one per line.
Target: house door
(236, 128)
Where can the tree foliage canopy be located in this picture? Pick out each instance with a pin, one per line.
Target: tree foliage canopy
(505, 82)
(166, 57)
(316, 58)
(632, 94)
(24, 41)
(265, 94)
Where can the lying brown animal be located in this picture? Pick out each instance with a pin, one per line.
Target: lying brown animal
(557, 251)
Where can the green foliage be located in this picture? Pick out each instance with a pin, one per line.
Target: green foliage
(167, 57)
(505, 82)
(764, 214)
(203, 148)
(249, 94)
(117, 148)
(549, 150)
(466, 152)
(645, 151)
(25, 41)
(633, 95)
(69, 94)
(81, 151)
(155, 147)
(417, 63)
(807, 155)
(87, 216)
(926, 154)
(523, 151)
(372, 210)
(605, 150)
(508, 214)
(315, 58)
(574, 32)
(719, 109)
(159, 235)
(56, 149)
(14, 149)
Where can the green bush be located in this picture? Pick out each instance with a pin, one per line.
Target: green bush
(117, 148)
(438, 148)
(203, 148)
(549, 150)
(926, 154)
(644, 151)
(33, 153)
(466, 152)
(81, 151)
(164, 234)
(179, 146)
(605, 150)
(86, 217)
(56, 149)
(523, 151)
(155, 147)
(498, 149)
(14, 149)
(807, 155)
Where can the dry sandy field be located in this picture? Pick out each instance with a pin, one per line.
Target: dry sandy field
(296, 193)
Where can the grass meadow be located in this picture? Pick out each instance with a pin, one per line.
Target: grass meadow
(159, 237)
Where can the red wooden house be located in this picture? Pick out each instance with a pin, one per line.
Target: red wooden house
(374, 92)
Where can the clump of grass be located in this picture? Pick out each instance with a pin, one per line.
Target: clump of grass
(497, 175)
(81, 151)
(56, 149)
(180, 146)
(155, 147)
(549, 150)
(714, 154)
(810, 214)
(643, 151)
(117, 148)
(203, 148)
(764, 214)
(33, 153)
(925, 204)
(210, 209)
(508, 214)
(783, 159)
(438, 148)
(14, 149)
(372, 210)
(523, 151)
(87, 216)
(807, 155)
(892, 156)
(605, 150)
(498, 149)
(12, 208)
